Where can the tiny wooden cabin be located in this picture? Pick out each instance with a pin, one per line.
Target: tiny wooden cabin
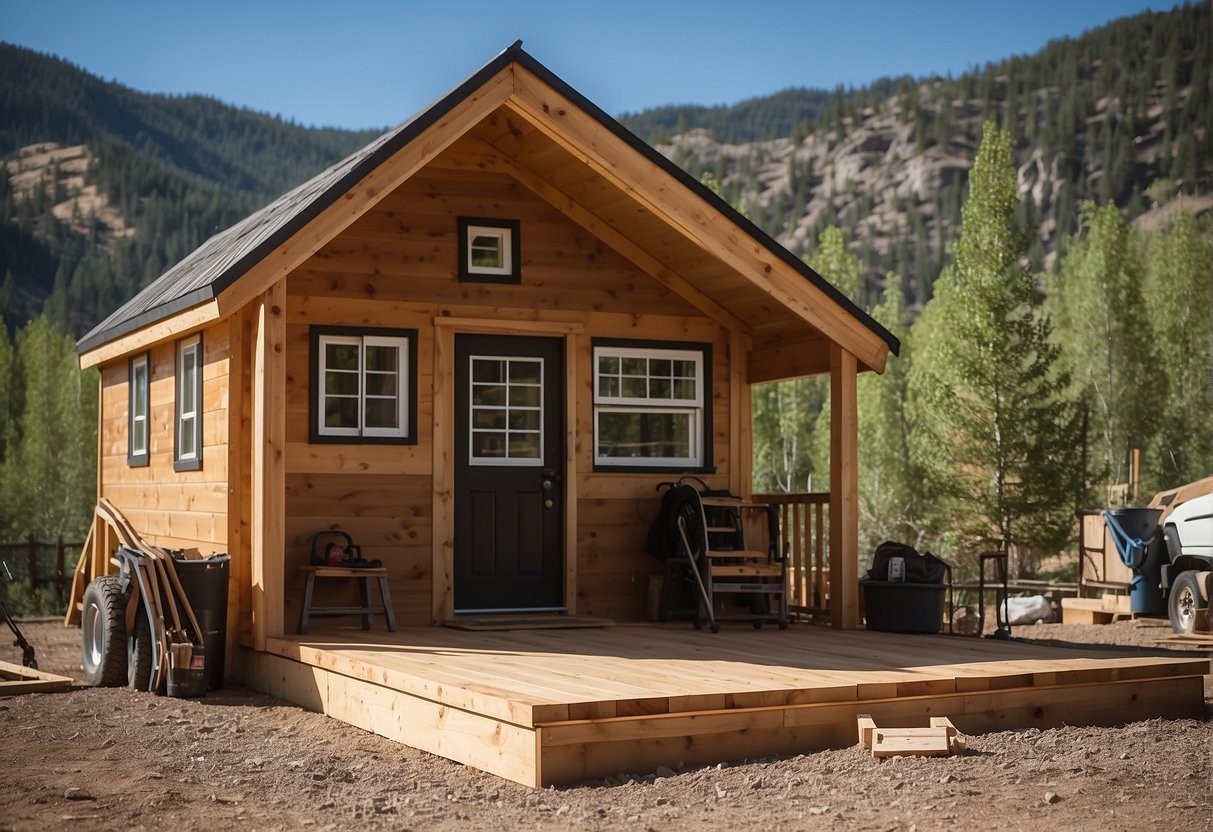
(476, 345)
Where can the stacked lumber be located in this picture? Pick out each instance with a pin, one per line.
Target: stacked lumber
(941, 739)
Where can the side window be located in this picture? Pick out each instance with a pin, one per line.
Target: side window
(187, 454)
(489, 251)
(137, 430)
(651, 406)
(363, 385)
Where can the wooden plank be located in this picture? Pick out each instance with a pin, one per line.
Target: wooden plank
(465, 324)
(16, 680)
(178, 326)
(639, 255)
(443, 540)
(571, 523)
(844, 491)
(381, 181)
(268, 467)
(807, 357)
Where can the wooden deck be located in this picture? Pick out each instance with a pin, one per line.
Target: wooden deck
(545, 707)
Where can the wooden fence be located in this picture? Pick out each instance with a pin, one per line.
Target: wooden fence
(37, 563)
(804, 527)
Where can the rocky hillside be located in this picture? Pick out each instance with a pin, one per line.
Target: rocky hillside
(1121, 114)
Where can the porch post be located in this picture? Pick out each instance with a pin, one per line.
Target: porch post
(844, 491)
(269, 465)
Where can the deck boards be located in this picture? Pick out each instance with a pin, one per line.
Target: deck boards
(662, 694)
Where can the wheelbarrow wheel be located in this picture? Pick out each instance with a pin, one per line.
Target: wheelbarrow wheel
(139, 654)
(103, 632)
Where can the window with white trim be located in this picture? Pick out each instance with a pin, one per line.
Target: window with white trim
(137, 426)
(187, 454)
(488, 251)
(363, 385)
(506, 399)
(649, 407)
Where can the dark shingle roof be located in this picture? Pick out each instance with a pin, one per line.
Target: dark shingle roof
(227, 256)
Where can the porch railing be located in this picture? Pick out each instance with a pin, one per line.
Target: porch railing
(804, 527)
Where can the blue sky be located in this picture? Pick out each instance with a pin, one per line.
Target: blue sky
(372, 63)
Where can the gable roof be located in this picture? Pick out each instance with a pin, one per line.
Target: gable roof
(223, 259)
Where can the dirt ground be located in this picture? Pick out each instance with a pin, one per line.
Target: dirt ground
(116, 759)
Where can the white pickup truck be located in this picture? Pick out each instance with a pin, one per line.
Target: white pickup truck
(1187, 524)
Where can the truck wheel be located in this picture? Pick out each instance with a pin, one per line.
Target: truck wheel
(103, 632)
(139, 654)
(1185, 598)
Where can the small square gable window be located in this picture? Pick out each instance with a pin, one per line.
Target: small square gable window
(489, 251)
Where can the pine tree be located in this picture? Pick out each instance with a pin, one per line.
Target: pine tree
(50, 472)
(1002, 435)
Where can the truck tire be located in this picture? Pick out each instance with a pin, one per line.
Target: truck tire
(1185, 598)
(139, 654)
(103, 632)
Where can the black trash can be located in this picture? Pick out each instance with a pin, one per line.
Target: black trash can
(205, 585)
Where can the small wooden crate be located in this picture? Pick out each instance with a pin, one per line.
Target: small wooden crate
(941, 739)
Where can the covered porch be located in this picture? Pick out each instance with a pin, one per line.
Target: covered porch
(543, 707)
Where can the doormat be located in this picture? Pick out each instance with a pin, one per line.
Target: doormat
(490, 623)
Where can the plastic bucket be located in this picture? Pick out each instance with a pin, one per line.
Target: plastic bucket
(205, 585)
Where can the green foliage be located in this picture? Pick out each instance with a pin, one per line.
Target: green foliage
(50, 470)
(1110, 350)
(1179, 301)
(792, 418)
(1002, 436)
(890, 486)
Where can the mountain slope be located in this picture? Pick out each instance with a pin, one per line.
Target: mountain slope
(1121, 114)
(169, 171)
(137, 181)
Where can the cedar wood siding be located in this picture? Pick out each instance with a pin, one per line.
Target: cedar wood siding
(397, 267)
(175, 509)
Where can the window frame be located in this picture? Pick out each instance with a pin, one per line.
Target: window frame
(405, 340)
(134, 458)
(509, 231)
(186, 346)
(507, 407)
(701, 410)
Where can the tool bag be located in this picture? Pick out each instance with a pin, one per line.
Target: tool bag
(342, 552)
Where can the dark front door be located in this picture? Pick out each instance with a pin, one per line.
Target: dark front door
(509, 470)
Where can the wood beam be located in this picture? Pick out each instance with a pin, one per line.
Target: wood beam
(181, 324)
(238, 425)
(844, 490)
(571, 347)
(268, 442)
(443, 533)
(377, 184)
(786, 360)
(649, 185)
(494, 159)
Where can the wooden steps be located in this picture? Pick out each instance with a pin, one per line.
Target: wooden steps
(1102, 610)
